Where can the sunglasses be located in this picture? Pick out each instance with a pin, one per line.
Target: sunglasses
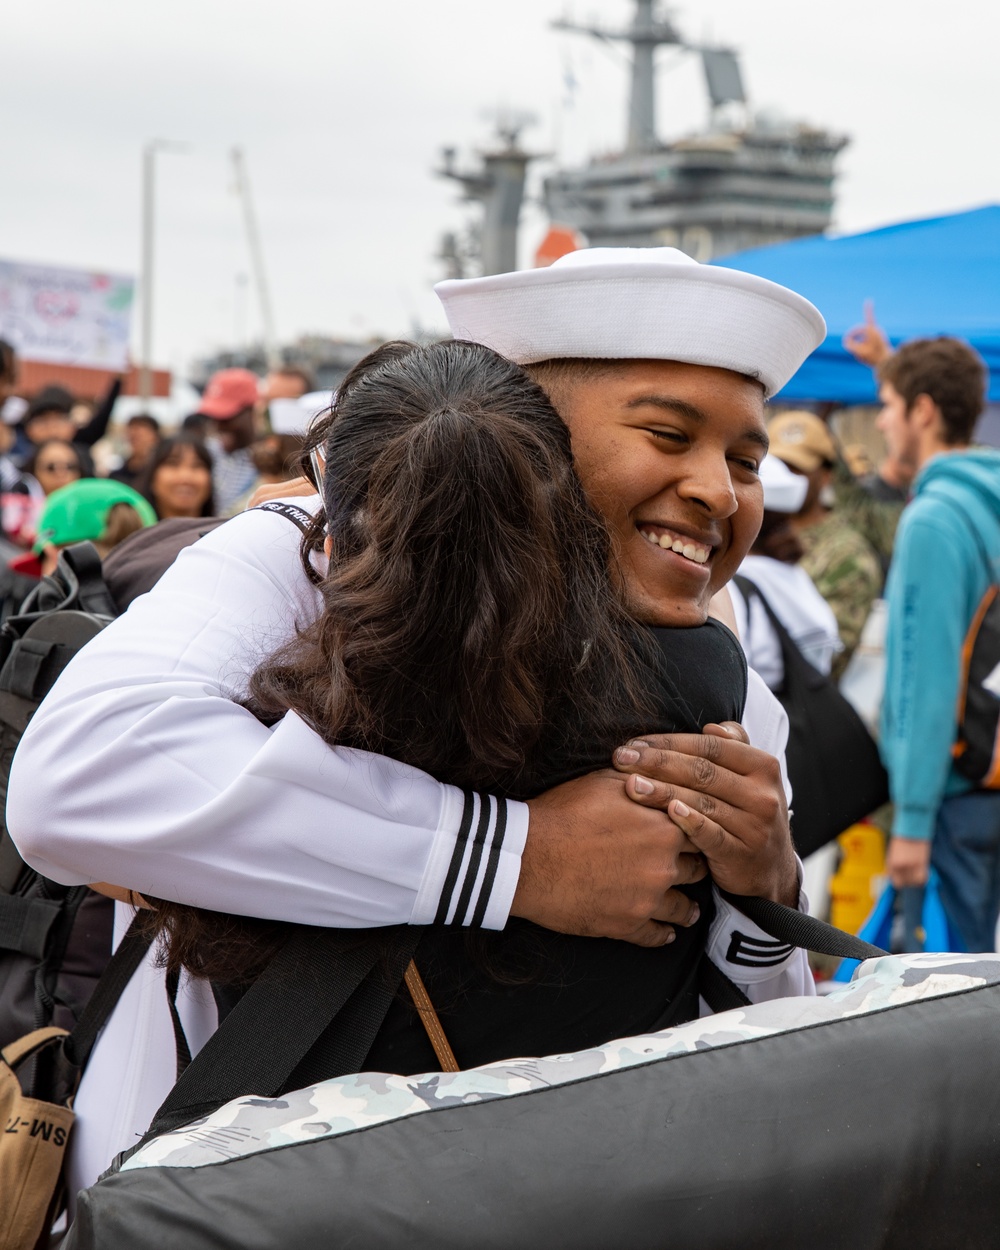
(55, 466)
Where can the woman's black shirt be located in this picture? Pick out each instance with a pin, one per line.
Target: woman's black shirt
(530, 991)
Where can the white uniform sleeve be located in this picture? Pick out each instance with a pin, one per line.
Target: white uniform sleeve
(140, 769)
(762, 967)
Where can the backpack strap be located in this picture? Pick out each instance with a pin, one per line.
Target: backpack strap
(130, 953)
(716, 989)
(791, 656)
(787, 923)
(25, 923)
(797, 929)
(58, 1075)
(78, 582)
(298, 516)
(83, 560)
(326, 988)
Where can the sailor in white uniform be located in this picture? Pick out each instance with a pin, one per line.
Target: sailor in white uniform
(143, 769)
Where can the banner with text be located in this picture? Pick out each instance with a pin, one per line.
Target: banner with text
(66, 316)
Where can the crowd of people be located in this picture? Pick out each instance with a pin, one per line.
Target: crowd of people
(54, 446)
(517, 551)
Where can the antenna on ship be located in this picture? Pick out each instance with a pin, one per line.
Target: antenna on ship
(651, 30)
(647, 33)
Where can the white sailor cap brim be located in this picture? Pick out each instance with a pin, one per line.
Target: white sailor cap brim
(638, 304)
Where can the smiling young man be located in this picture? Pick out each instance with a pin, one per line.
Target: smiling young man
(669, 453)
(660, 368)
(156, 778)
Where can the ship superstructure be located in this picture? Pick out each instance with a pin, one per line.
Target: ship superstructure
(745, 181)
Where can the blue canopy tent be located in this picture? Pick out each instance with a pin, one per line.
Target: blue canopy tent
(940, 275)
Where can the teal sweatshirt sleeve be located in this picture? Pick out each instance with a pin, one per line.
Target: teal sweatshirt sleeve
(932, 581)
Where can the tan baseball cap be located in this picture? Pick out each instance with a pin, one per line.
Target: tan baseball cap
(802, 441)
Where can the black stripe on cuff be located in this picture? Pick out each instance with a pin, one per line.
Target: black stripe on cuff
(475, 859)
(752, 952)
(457, 855)
(492, 864)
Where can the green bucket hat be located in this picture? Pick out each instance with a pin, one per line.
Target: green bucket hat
(78, 512)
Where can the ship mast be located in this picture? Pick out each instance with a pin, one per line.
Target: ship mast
(646, 34)
(498, 184)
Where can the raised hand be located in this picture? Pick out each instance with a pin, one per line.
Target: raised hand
(868, 342)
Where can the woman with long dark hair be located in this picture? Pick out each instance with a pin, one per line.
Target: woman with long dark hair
(178, 479)
(472, 627)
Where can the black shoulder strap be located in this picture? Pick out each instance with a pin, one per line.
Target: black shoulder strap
(792, 658)
(78, 582)
(716, 989)
(298, 516)
(324, 983)
(128, 956)
(59, 1083)
(85, 562)
(787, 925)
(791, 926)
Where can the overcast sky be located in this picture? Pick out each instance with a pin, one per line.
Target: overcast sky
(342, 108)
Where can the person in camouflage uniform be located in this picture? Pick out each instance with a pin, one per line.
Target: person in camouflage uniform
(867, 512)
(838, 557)
(847, 573)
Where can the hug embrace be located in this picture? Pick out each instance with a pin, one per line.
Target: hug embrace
(486, 696)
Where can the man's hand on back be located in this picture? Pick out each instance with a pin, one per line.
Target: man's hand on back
(727, 797)
(597, 865)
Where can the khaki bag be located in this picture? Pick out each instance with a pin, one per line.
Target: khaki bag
(36, 1132)
(32, 1149)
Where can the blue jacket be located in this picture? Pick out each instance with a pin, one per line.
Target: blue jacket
(936, 580)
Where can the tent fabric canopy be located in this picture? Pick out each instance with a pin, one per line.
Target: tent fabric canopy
(939, 275)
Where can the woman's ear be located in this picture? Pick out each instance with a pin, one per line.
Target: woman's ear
(328, 546)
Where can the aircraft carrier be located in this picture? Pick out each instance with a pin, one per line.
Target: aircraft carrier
(744, 181)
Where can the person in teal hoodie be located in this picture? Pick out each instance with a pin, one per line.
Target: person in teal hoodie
(932, 392)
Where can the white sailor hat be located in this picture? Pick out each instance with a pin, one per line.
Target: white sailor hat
(638, 303)
(784, 491)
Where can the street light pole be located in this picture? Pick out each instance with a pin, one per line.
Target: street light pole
(148, 210)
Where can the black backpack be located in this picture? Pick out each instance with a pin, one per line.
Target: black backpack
(976, 752)
(833, 762)
(55, 940)
(41, 920)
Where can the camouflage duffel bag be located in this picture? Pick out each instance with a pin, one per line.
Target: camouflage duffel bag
(868, 1118)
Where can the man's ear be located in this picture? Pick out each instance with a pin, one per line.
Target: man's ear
(926, 415)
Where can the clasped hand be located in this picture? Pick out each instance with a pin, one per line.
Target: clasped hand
(606, 853)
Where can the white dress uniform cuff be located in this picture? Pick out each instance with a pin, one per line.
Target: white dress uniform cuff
(741, 949)
(475, 862)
